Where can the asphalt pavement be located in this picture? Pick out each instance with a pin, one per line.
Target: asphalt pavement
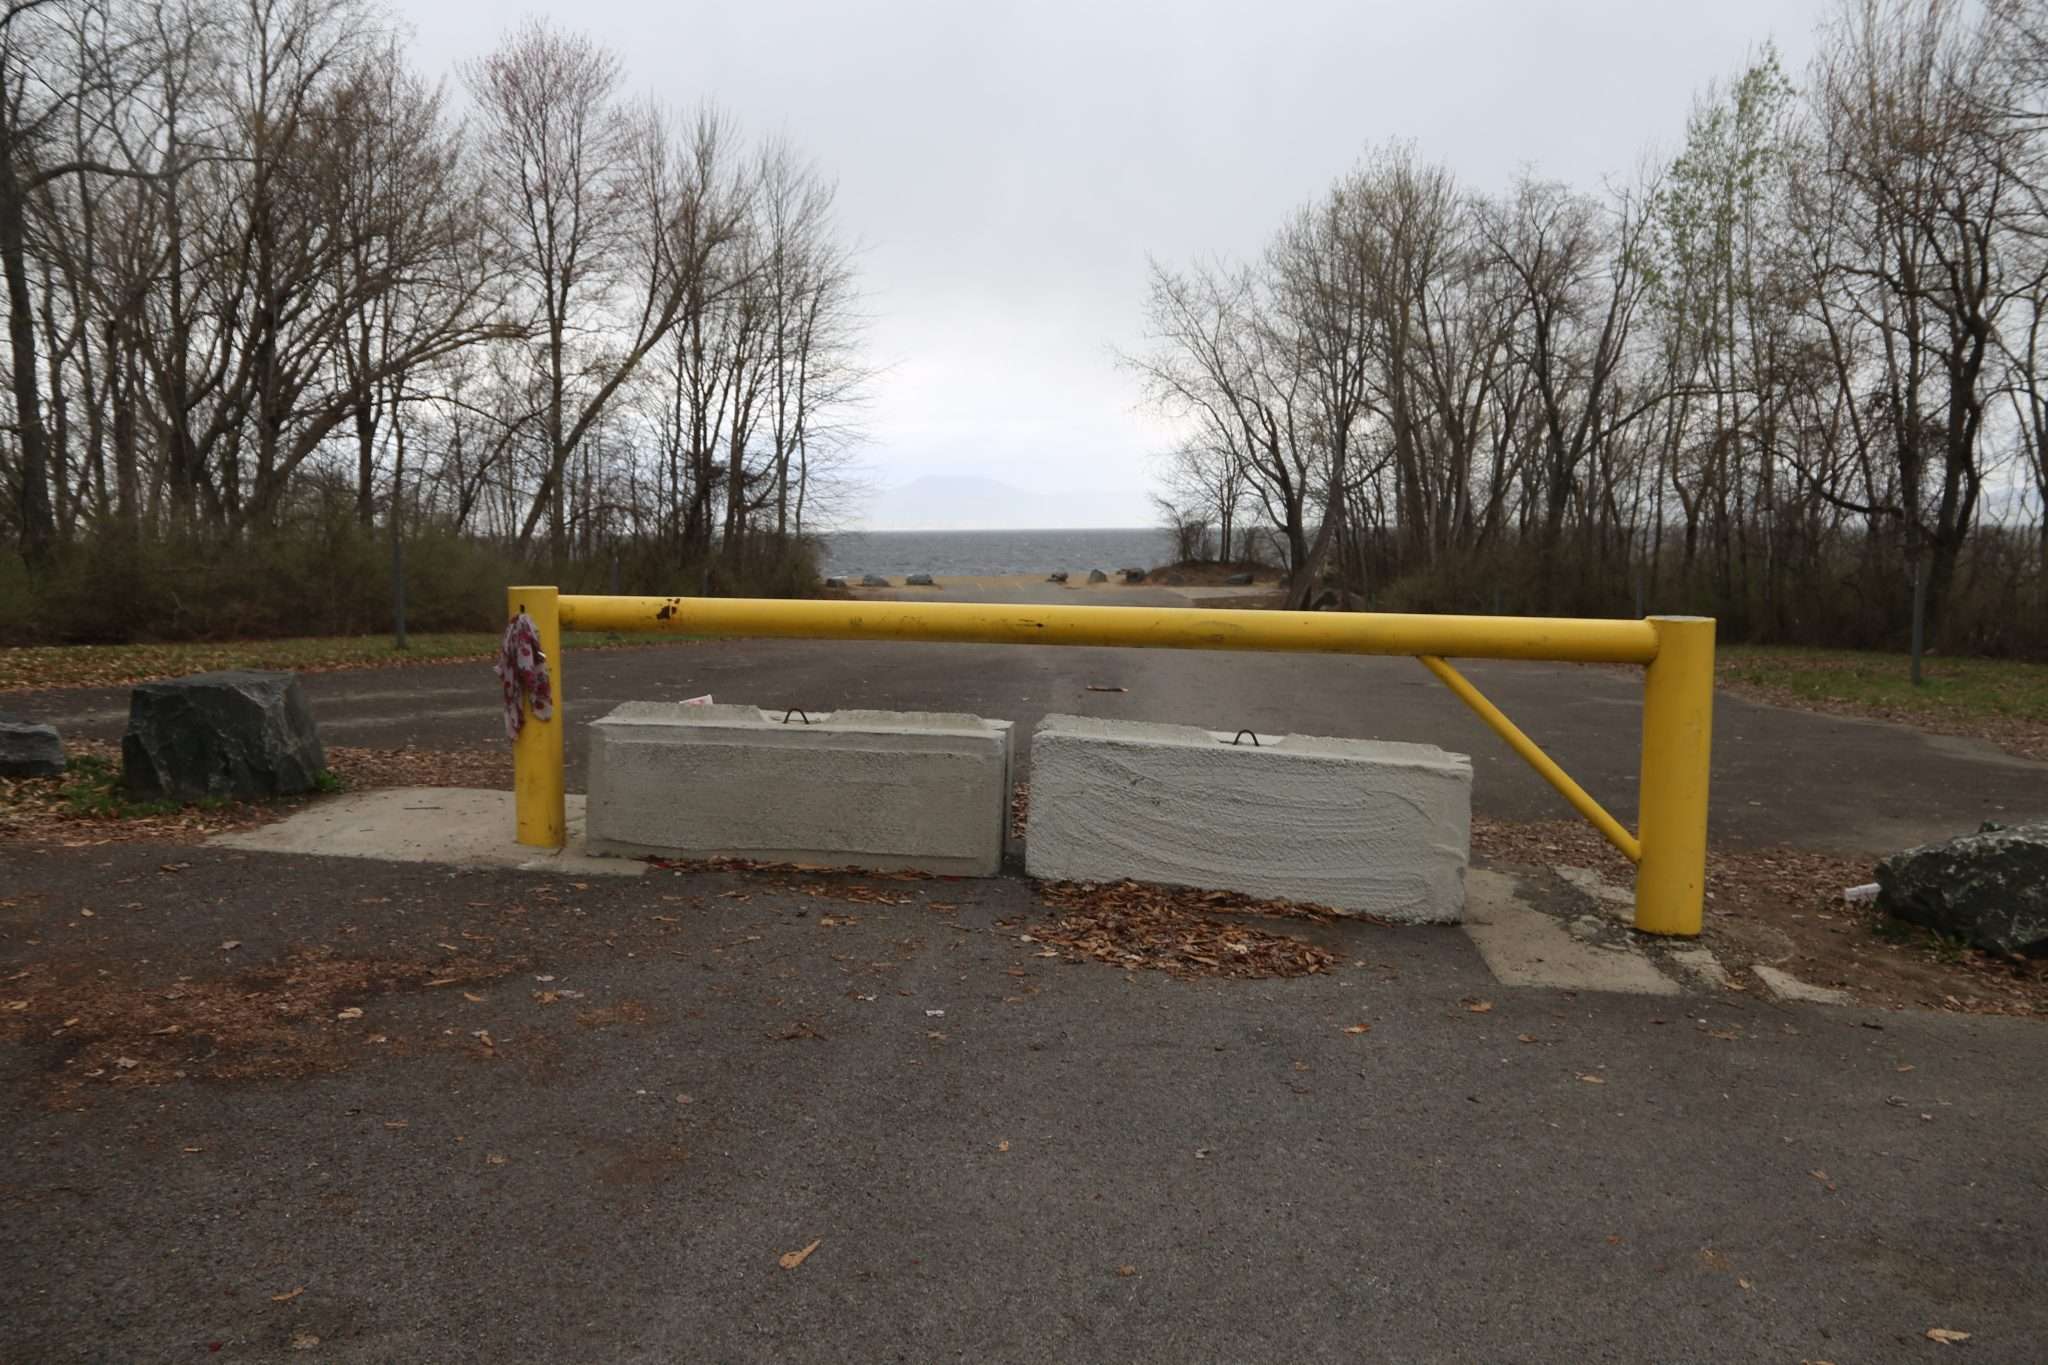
(604, 1152)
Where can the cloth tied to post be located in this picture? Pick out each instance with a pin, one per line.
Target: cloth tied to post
(522, 671)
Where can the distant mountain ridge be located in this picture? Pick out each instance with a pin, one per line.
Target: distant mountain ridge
(973, 502)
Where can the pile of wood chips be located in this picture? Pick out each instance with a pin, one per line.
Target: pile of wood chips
(1177, 930)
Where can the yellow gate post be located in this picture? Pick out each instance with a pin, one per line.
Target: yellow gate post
(1671, 817)
(537, 782)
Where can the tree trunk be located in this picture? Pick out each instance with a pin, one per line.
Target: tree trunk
(38, 519)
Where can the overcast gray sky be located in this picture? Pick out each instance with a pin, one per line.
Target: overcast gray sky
(1009, 166)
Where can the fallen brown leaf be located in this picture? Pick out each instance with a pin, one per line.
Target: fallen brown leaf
(1477, 1006)
(1359, 1028)
(1127, 1270)
(288, 1295)
(790, 1260)
(1590, 1079)
(1947, 1336)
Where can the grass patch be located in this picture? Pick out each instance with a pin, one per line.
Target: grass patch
(38, 666)
(2002, 701)
(1992, 689)
(92, 790)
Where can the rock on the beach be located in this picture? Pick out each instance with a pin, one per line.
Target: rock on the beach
(237, 734)
(1134, 575)
(1056, 576)
(919, 580)
(835, 582)
(1989, 888)
(873, 580)
(1097, 576)
(29, 749)
(1238, 580)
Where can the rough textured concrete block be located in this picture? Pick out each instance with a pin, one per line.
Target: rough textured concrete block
(877, 789)
(1355, 824)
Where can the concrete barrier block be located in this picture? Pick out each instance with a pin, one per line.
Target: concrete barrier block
(1355, 824)
(889, 790)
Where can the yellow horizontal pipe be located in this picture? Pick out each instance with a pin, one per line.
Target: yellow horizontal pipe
(1473, 637)
(1582, 800)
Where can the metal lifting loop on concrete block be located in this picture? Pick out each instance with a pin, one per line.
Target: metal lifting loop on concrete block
(796, 711)
(1240, 739)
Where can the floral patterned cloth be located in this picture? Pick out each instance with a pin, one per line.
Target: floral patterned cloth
(522, 671)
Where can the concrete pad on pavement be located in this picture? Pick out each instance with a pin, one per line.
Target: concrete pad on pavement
(1525, 947)
(1790, 988)
(460, 826)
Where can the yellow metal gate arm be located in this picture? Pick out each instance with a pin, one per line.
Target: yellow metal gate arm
(1566, 639)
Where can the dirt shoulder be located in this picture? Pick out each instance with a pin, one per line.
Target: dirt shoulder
(84, 807)
(30, 668)
(1782, 907)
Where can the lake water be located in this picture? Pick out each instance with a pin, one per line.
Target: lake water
(848, 554)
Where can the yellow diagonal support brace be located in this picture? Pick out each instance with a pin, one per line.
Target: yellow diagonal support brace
(1582, 800)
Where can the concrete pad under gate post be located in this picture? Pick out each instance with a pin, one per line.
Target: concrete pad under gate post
(885, 790)
(1362, 825)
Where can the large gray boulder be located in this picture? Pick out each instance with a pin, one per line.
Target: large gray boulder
(241, 735)
(1989, 888)
(1097, 576)
(28, 749)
